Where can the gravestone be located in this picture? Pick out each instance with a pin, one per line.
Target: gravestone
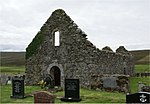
(72, 90)
(3, 79)
(43, 97)
(17, 87)
(141, 97)
(49, 81)
(140, 85)
(9, 80)
(109, 82)
(146, 89)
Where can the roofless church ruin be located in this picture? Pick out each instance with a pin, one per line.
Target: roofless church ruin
(73, 56)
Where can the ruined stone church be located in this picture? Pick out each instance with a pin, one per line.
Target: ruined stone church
(72, 55)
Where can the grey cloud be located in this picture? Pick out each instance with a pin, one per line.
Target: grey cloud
(11, 47)
(106, 22)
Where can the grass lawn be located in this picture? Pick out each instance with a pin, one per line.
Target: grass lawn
(6, 93)
(134, 83)
(87, 96)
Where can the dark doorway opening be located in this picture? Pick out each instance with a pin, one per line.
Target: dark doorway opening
(55, 72)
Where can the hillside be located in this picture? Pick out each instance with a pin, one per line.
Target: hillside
(18, 58)
(12, 58)
(141, 56)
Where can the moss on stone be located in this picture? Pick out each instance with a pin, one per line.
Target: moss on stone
(32, 47)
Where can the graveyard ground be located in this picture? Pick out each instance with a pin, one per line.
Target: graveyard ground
(88, 96)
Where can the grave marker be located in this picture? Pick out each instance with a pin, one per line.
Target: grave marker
(43, 97)
(17, 87)
(72, 90)
(141, 97)
(109, 82)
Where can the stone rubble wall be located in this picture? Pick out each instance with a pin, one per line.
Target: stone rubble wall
(77, 55)
(118, 83)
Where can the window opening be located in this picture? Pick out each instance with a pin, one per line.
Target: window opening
(57, 38)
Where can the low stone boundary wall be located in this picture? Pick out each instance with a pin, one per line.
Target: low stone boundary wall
(111, 83)
(146, 88)
(142, 74)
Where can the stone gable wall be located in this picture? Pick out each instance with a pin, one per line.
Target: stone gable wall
(78, 57)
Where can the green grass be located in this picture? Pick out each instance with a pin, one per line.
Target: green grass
(92, 96)
(6, 93)
(142, 68)
(87, 96)
(135, 80)
(12, 69)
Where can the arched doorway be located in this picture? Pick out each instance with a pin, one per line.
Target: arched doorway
(55, 72)
(51, 68)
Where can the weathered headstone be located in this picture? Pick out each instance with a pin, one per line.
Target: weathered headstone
(43, 97)
(3, 79)
(49, 81)
(72, 90)
(17, 87)
(140, 85)
(109, 82)
(141, 97)
(9, 80)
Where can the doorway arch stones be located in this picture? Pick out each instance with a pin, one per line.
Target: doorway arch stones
(61, 71)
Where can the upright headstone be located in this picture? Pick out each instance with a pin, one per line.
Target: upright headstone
(72, 90)
(9, 80)
(140, 86)
(3, 79)
(17, 87)
(141, 97)
(43, 97)
(49, 81)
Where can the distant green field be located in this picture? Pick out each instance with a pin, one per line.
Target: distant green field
(21, 69)
(12, 69)
(142, 68)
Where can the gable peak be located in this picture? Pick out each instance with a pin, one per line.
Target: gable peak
(59, 12)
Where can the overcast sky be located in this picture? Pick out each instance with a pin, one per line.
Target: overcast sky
(106, 22)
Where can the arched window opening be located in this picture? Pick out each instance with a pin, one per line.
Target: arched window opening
(57, 38)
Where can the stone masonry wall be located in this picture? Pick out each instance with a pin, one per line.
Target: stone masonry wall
(110, 82)
(77, 57)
